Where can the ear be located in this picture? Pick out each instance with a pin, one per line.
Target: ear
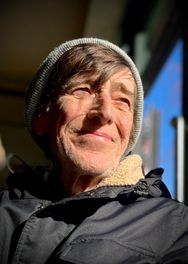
(41, 123)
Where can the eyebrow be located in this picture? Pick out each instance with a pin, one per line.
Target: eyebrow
(93, 83)
(124, 89)
(73, 83)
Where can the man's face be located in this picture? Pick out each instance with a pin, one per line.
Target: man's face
(90, 126)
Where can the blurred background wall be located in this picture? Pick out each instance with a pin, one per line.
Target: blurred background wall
(152, 32)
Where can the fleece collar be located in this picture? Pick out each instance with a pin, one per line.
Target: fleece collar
(129, 172)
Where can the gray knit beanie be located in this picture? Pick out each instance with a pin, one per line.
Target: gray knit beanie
(40, 80)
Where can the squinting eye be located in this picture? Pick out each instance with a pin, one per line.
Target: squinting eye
(123, 102)
(81, 92)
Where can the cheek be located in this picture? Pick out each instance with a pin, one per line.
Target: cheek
(69, 109)
(65, 110)
(125, 126)
(67, 121)
(71, 114)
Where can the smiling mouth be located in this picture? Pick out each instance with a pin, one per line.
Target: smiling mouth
(96, 134)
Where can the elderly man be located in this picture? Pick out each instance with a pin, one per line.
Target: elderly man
(84, 108)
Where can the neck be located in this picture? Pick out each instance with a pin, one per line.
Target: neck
(128, 172)
(82, 183)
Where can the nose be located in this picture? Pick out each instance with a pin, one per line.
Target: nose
(101, 109)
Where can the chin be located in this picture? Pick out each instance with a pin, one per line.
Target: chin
(94, 166)
(86, 162)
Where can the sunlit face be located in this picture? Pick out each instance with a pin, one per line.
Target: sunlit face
(90, 126)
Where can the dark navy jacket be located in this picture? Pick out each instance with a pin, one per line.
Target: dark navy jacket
(108, 225)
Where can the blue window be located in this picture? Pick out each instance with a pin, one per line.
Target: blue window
(163, 102)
